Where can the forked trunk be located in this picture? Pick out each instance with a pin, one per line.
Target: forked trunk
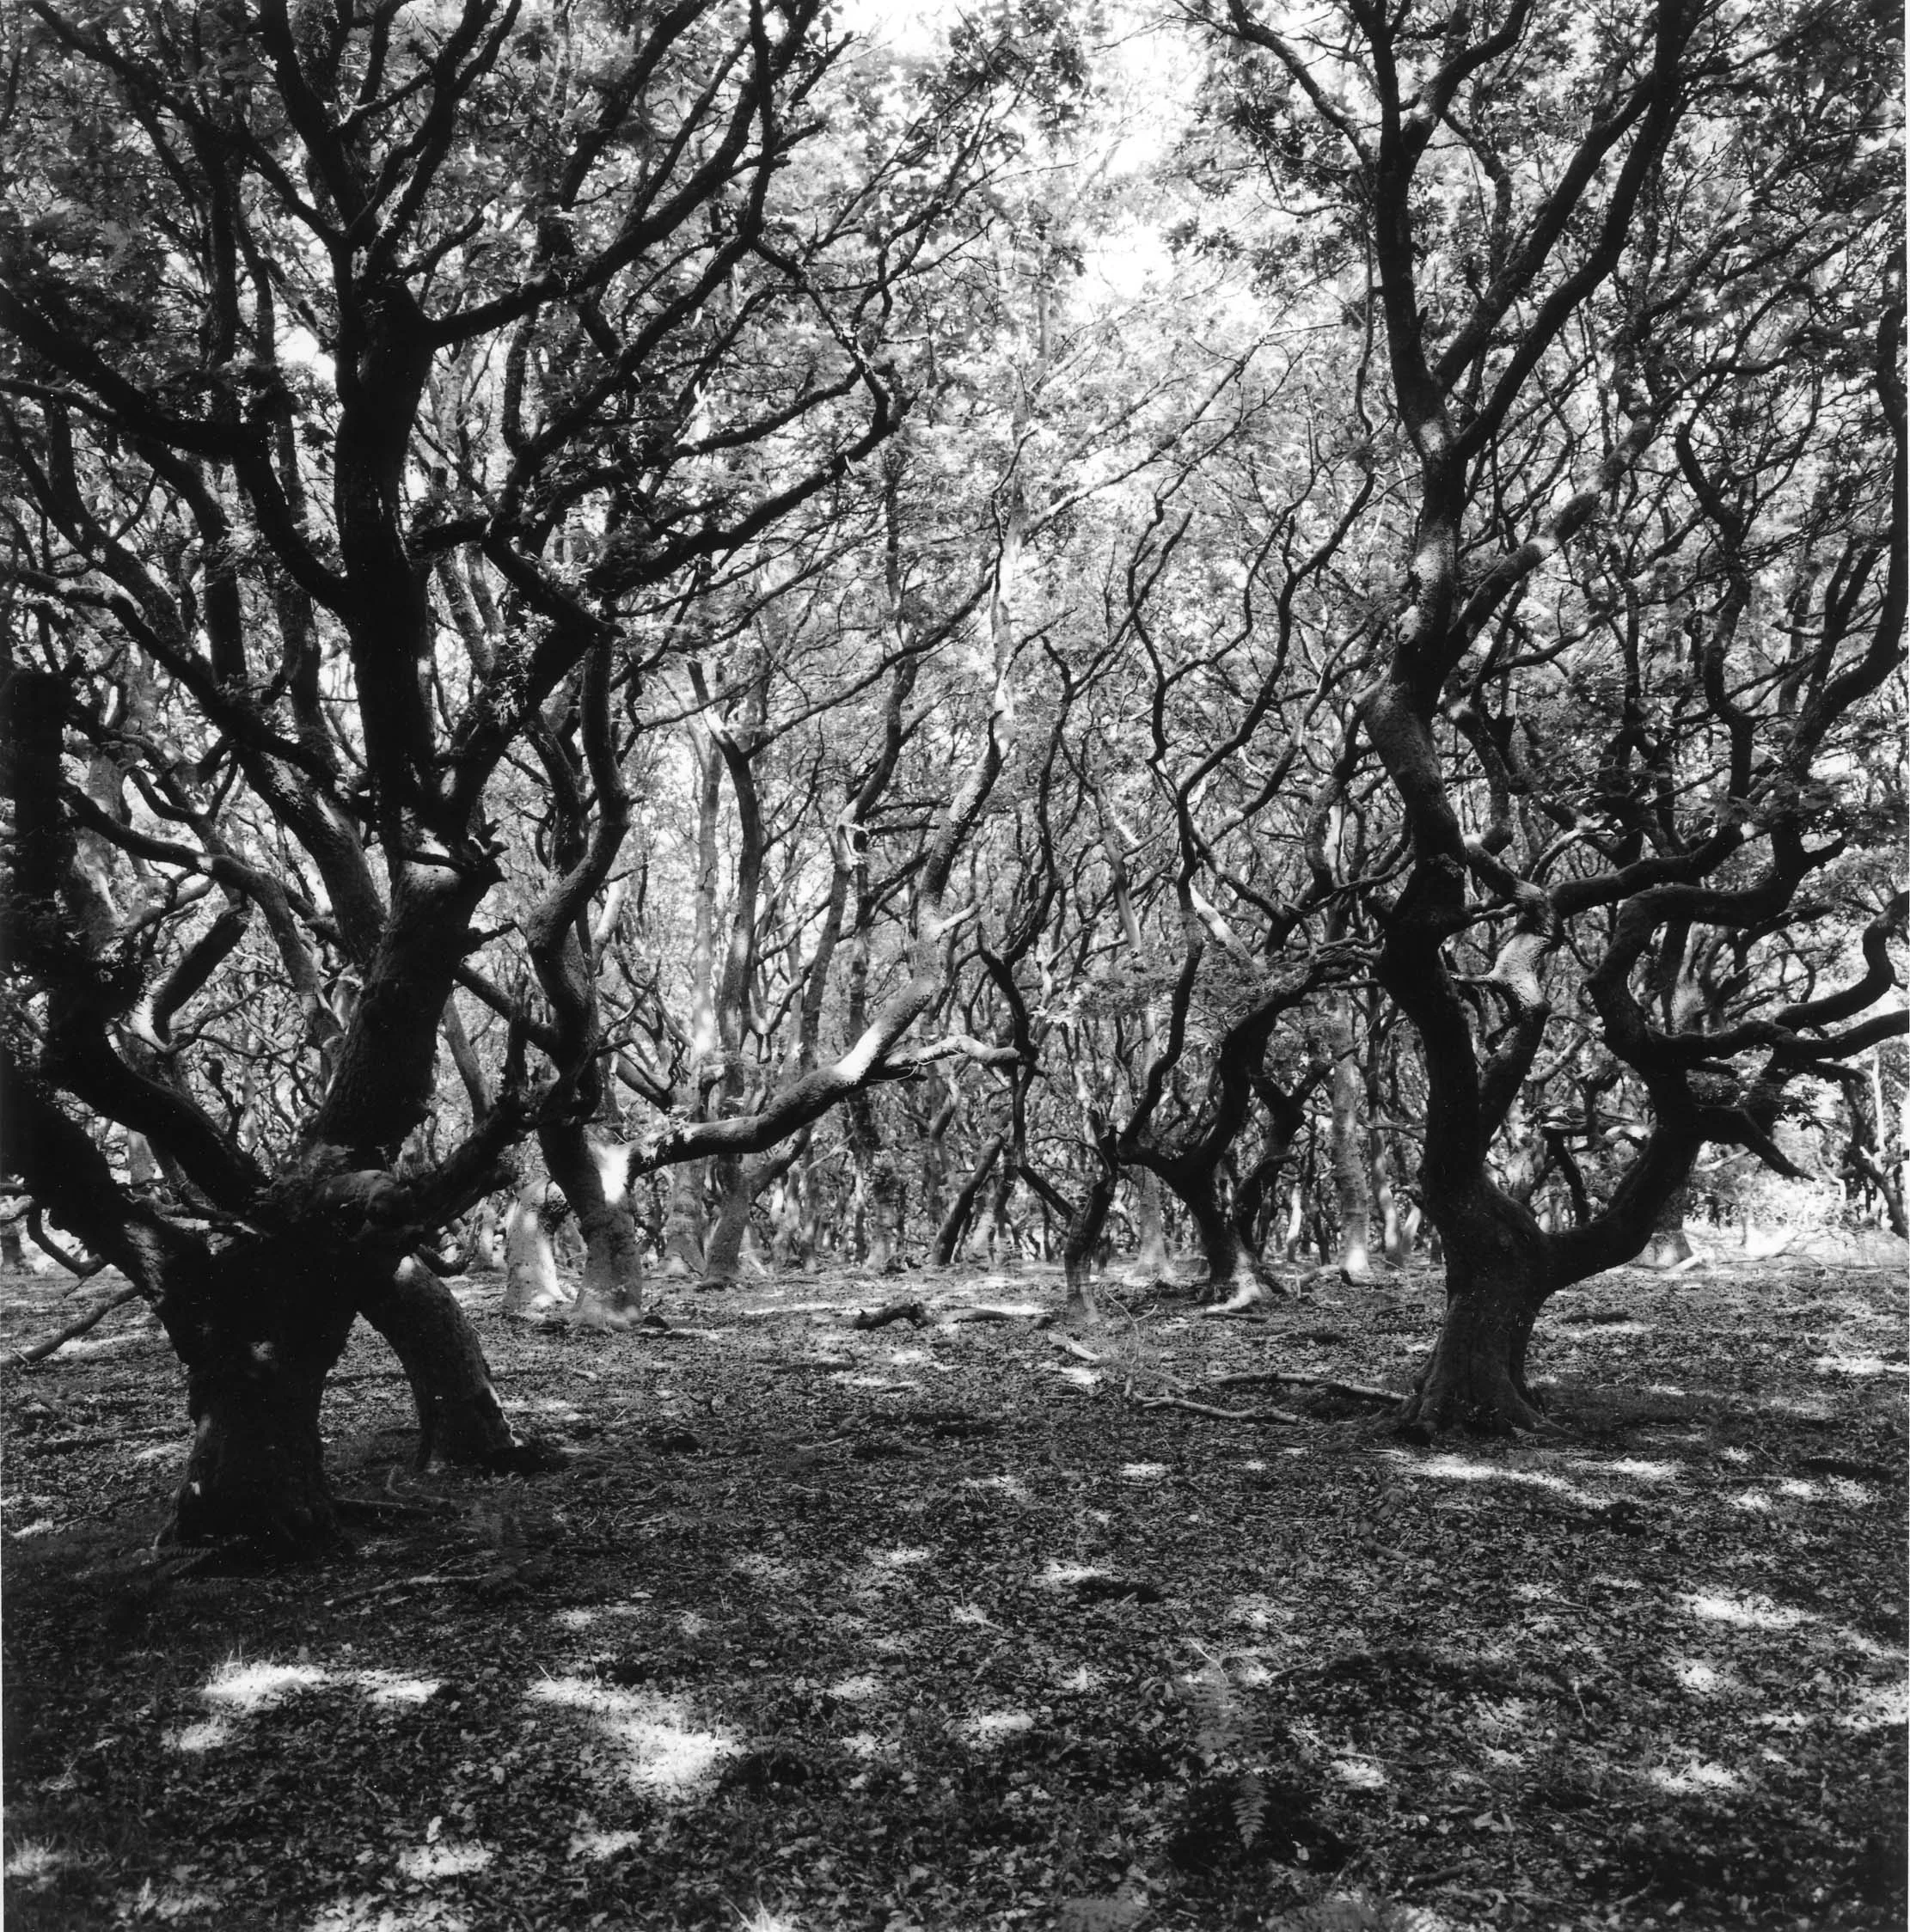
(592, 1179)
(1236, 1278)
(1077, 1246)
(460, 1418)
(729, 1251)
(1495, 1287)
(954, 1228)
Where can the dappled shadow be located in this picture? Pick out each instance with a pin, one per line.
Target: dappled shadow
(921, 1627)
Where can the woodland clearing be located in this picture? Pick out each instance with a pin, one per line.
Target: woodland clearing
(935, 1626)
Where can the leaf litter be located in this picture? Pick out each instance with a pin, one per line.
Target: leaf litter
(930, 1624)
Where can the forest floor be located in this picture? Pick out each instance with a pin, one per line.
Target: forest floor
(939, 1628)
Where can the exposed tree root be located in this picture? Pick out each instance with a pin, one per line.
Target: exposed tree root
(1353, 1391)
(1220, 1415)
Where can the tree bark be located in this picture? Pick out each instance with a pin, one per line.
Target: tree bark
(1495, 1285)
(1079, 1241)
(1151, 1259)
(954, 1228)
(530, 1284)
(1351, 1194)
(684, 1223)
(1235, 1272)
(460, 1418)
(596, 1185)
(1669, 1244)
(254, 1381)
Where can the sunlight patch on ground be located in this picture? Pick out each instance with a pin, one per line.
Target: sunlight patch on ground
(1878, 1705)
(971, 1613)
(1856, 1364)
(107, 1345)
(32, 1863)
(1252, 1463)
(1754, 1501)
(1507, 1717)
(389, 1688)
(1005, 1485)
(1748, 1613)
(858, 1689)
(1705, 1679)
(1695, 1778)
(1464, 1468)
(1847, 1489)
(1360, 1774)
(691, 1623)
(1063, 1576)
(1073, 1372)
(160, 1453)
(867, 1744)
(1797, 1487)
(1632, 1465)
(443, 1861)
(205, 1735)
(665, 1753)
(1142, 1472)
(45, 1526)
(1663, 1389)
(249, 1687)
(370, 1911)
(1605, 1329)
(596, 1845)
(1083, 1679)
(995, 1726)
(1253, 1673)
(768, 1570)
(1258, 1612)
(582, 1619)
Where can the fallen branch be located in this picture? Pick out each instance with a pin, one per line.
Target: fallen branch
(1353, 1391)
(1218, 1414)
(41, 1350)
(910, 1312)
(1073, 1347)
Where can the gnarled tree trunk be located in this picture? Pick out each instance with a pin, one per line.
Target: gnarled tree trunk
(595, 1184)
(460, 1418)
(254, 1382)
(1496, 1284)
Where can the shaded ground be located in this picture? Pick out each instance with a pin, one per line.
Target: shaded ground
(936, 1628)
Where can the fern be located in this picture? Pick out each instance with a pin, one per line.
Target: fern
(1230, 1744)
(1250, 1804)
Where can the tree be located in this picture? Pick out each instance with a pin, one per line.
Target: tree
(374, 383)
(1636, 289)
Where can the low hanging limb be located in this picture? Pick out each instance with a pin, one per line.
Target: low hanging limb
(41, 1350)
(36, 1229)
